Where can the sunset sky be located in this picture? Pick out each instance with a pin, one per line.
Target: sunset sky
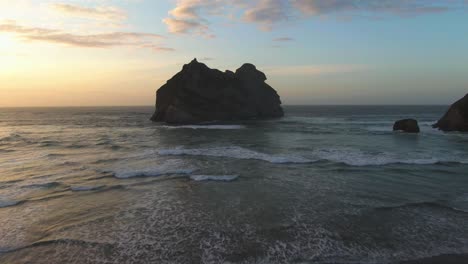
(103, 52)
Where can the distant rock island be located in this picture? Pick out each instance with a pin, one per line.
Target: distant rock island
(199, 94)
(456, 118)
(406, 125)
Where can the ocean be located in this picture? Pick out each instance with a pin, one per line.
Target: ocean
(324, 184)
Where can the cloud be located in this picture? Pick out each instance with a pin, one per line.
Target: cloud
(184, 26)
(283, 39)
(157, 47)
(267, 12)
(11, 27)
(101, 12)
(376, 7)
(188, 16)
(193, 16)
(102, 40)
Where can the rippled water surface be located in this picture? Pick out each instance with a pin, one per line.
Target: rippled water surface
(324, 184)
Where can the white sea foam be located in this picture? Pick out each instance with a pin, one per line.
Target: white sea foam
(355, 157)
(235, 152)
(214, 177)
(85, 188)
(427, 123)
(218, 127)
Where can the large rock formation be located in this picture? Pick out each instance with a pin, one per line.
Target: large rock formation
(200, 94)
(456, 118)
(406, 125)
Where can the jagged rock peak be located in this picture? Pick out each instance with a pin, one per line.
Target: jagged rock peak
(199, 94)
(249, 70)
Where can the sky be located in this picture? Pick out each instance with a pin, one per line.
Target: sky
(112, 53)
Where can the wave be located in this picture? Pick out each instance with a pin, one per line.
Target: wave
(336, 121)
(55, 155)
(65, 241)
(13, 137)
(10, 181)
(100, 161)
(235, 152)
(388, 128)
(434, 205)
(151, 172)
(115, 147)
(312, 120)
(347, 156)
(217, 127)
(355, 157)
(427, 123)
(8, 203)
(70, 163)
(108, 143)
(43, 185)
(86, 188)
(76, 146)
(462, 198)
(49, 143)
(167, 168)
(214, 177)
(104, 142)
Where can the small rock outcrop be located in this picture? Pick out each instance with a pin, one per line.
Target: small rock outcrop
(406, 125)
(199, 94)
(456, 118)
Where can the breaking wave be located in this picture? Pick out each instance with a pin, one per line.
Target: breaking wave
(235, 152)
(355, 157)
(347, 156)
(167, 168)
(214, 177)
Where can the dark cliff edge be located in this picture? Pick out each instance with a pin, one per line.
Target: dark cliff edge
(199, 94)
(456, 118)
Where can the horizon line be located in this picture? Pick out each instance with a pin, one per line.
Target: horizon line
(111, 106)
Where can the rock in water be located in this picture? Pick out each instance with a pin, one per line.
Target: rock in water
(456, 118)
(200, 94)
(406, 125)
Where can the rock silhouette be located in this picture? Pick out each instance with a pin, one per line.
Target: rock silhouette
(199, 94)
(456, 118)
(406, 125)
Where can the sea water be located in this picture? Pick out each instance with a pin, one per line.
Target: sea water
(324, 184)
